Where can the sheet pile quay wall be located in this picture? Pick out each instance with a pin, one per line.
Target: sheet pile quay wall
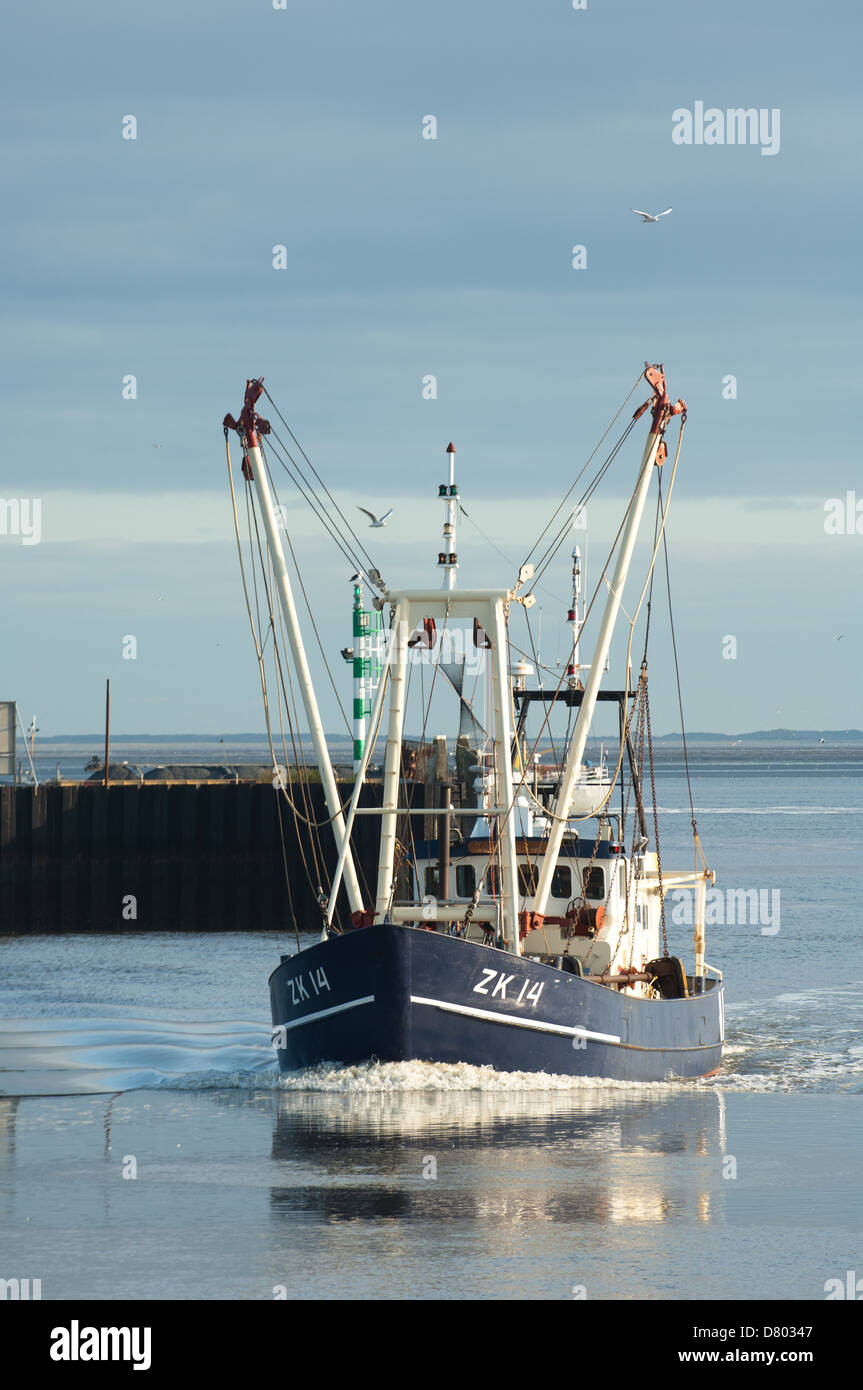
(180, 857)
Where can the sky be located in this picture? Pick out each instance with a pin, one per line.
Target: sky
(406, 257)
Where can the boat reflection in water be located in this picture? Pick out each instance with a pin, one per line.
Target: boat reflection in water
(506, 1157)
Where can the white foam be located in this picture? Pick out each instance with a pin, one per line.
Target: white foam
(439, 1076)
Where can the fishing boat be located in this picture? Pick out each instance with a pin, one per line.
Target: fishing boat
(528, 932)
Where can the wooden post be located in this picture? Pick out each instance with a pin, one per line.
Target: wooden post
(107, 726)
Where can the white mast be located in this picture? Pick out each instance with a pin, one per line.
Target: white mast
(249, 426)
(392, 761)
(504, 780)
(662, 409)
(488, 608)
(375, 718)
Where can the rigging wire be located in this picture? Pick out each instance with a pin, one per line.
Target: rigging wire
(293, 722)
(551, 550)
(427, 712)
(260, 646)
(538, 670)
(582, 471)
(312, 822)
(552, 815)
(348, 527)
(309, 606)
(698, 846)
(262, 673)
(307, 492)
(323, 891)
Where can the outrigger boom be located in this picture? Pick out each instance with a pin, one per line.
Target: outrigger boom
(662, 410)
(249, 427)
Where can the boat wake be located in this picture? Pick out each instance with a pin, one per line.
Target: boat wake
(805, 1041)
(88, 1056)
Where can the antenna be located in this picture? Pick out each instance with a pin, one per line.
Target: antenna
(448, 492)
(573, 617)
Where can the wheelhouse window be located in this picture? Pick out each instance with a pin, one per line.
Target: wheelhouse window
(433, 881)
(594, 883)
(404, 884)
(490, 883)
(561, 882)
(465, 881)
(527, 879)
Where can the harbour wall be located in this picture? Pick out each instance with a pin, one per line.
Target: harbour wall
(168, 857)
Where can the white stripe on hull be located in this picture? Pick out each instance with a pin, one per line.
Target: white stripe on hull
(324, 1013)
(536, 1024)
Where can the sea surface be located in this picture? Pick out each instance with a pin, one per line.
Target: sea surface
(149, 1148)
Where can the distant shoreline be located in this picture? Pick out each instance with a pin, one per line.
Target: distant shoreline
(766, 736)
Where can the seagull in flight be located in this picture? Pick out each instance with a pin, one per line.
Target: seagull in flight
(377, 520)
(648, 216)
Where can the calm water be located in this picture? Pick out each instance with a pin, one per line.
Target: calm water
(152, 1053)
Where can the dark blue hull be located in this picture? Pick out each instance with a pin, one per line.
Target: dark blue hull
(400, 994)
